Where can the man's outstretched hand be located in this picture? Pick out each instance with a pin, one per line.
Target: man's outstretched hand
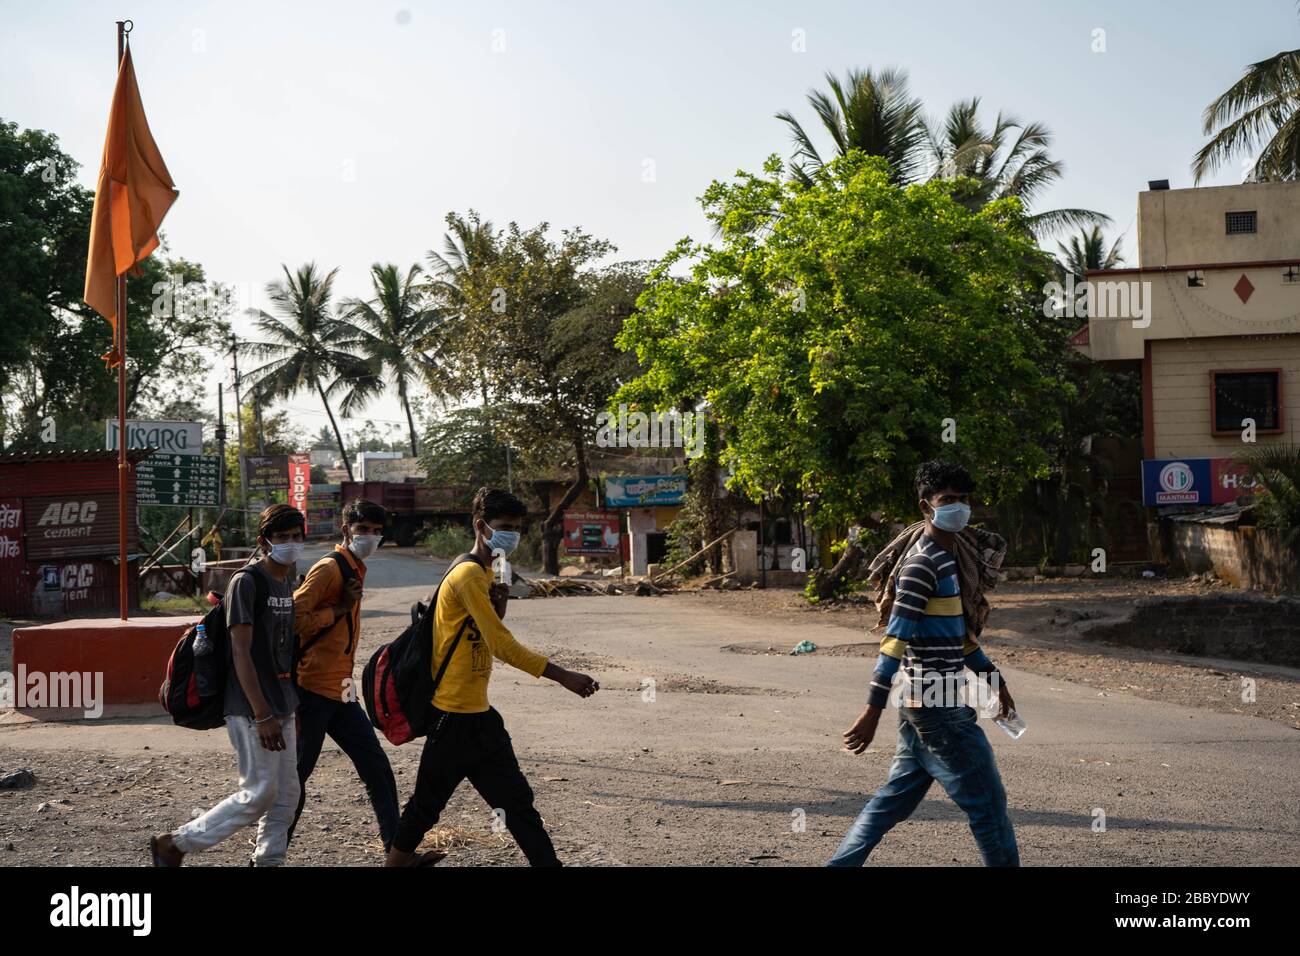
(858, 737)
(580, 684)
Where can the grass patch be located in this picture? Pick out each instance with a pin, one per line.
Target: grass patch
(177, 604)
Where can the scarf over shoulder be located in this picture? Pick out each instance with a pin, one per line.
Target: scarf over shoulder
(979, 556)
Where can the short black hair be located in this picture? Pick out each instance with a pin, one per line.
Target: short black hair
(492, 503)
(363, 509)
(934, 476)
(279, 518)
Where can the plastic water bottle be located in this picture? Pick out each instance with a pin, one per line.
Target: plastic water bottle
(204, 664)
(991, 706)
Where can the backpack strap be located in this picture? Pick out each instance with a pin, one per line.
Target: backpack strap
(430, 613)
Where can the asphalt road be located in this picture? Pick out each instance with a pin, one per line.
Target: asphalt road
(736, 757)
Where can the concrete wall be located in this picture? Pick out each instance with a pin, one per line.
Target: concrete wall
(1182, 226)
(1185, 227)
(1241, 627)
(1180, 391)
(1246, 557)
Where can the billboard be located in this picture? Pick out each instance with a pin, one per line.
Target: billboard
(76, 524)
(300, 482)
(179, 480)
(1195, 481)
(644, 491)
(266, 472)
(170, 438)
(591, 532)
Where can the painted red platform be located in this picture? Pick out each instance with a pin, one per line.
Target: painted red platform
(132, 655)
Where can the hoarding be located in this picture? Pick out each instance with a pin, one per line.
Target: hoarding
(300, 482)
(170, 438)
(179, 480)
(1195, 481)
(67, 525)
(644, 490)
(591, 532)
(266, 472)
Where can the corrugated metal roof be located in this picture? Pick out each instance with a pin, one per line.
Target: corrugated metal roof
(27, 457)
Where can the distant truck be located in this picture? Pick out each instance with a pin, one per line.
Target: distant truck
(411, 507)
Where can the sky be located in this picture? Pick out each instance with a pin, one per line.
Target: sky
(345, 132)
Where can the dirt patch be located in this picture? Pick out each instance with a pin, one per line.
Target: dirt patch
(823, 650)
(1031, 628)
(688, 684)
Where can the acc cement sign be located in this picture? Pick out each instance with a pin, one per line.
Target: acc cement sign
(170, 438)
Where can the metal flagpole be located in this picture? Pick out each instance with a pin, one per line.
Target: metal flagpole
(122, 464)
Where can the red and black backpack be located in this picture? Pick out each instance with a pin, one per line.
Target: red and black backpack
(179, 694)
(398, 682)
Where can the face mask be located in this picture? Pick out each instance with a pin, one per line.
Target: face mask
(363, 545)
(951, 517)
(507, 541)
(286, 553)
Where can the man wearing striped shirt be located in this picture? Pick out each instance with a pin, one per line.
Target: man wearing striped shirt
(938, 738)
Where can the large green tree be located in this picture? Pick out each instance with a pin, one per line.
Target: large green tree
(51, 372)
(535, 332)
(844, 344)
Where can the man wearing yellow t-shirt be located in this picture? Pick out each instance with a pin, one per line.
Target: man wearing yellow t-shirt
(468, 738)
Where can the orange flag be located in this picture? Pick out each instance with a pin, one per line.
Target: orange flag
(133, 194)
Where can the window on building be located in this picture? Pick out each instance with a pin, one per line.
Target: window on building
(1240, 222)
(1251, 393)
(1291, 275)
(1196, 279)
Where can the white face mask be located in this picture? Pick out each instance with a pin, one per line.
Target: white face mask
(363, 545)
(286, 552)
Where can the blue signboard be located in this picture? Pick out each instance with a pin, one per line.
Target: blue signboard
(1177, 481)
(644, 491)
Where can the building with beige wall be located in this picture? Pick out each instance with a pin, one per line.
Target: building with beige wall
(1211, 316)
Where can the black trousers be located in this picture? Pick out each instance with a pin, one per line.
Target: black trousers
(347, 724)
(474, 747)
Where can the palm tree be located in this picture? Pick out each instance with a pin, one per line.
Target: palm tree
(1262, 106)
(1086, 251)
(876, 113)
(390, 333)
(1277, 469)
(304, 347)
(1009, 160)
(468, 247)
(870, 111)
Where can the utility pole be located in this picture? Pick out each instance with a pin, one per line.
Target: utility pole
(257, 412)
(239, 437)
(221, 445)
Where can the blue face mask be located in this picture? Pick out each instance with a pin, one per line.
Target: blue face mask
(507, 541)
(952, 517)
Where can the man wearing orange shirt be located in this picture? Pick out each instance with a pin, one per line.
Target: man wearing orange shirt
(327, 621)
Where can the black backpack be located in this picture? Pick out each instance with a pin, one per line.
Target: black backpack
(179, 693)
(398, 682)
(300, 649)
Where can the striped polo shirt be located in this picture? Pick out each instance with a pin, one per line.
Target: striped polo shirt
(927, 629)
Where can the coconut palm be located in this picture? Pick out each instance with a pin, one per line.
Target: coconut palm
(1261, 107)
(469, 246)
(1086, 251)
(391, 333)
(1010, 159)
(1277, 469)
(304, 343)
(874, 112)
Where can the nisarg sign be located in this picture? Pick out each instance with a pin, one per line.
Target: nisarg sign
(172, 438)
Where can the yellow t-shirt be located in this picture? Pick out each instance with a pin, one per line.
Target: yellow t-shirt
(463, 603)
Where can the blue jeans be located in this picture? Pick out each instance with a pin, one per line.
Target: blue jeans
(944, 744)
